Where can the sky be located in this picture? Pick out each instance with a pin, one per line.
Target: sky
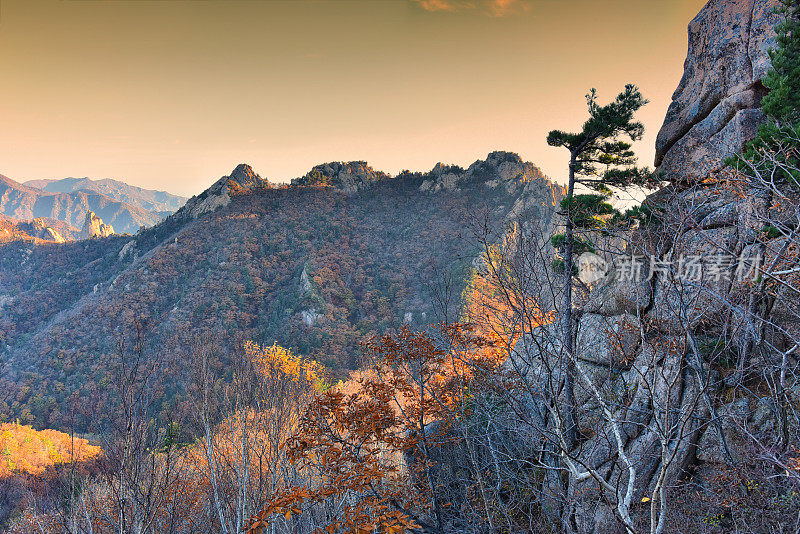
(172, 95)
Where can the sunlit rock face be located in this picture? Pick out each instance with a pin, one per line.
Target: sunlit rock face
(241, 180)
(94, 227)
(39, 229)
(716, 107)
(350, 177)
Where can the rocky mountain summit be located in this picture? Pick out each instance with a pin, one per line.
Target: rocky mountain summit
(500, 171)
(522, 180)
(241, 180)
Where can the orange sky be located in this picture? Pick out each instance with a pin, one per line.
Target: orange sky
(172, 95)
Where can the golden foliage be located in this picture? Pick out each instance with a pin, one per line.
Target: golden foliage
(351, 441)
(495, 303)
(26, 450)
(278, 362)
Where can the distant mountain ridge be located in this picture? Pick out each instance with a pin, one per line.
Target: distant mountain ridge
(146, 199)
(122, 206)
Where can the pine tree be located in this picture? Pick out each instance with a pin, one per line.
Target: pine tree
(776, 139)
(599, 159)
(782, 103)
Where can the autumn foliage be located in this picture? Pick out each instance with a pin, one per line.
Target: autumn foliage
(366, 452)
(25, 450)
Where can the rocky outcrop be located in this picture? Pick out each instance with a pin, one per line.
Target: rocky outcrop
(39, 229)
(529, 191)
(654, 337)
(442, 177)
(715, 108)
(668, 335)
(661, 334)
(350, 177)
(240, 181)
(95, 227)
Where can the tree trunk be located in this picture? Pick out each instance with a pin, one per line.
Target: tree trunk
(571, 415)
(437, 510)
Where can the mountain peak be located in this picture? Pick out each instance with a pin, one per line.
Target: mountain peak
(245, 177)
(241, 180)
(499, 157)
(95, 227)
(500, 168)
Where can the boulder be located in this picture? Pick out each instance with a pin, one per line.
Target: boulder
(608, 341)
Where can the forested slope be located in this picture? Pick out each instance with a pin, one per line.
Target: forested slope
(317, 268)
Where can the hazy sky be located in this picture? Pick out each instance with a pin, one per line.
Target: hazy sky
(173, 95)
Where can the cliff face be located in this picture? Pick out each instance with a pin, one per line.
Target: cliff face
(663, 341)
(715, 108)
(94, 226)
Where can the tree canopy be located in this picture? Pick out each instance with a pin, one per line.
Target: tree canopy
(600, 158)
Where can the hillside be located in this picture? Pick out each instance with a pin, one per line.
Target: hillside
(317, 268)
(23, 202)
(459, 351)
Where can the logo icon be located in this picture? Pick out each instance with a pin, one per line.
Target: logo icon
(591, 268)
